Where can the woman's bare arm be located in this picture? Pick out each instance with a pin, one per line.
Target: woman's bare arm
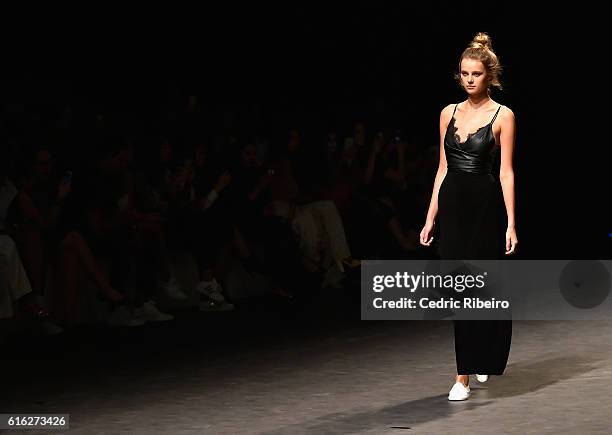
(506, 173)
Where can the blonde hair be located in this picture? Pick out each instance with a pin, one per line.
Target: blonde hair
(480, 49)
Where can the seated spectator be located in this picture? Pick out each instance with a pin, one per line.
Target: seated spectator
(316, 223)
(150, 198)
(251, 227)
(196, 225)
(40, 203)
(385, 176)
(104, 226)
(15, 288)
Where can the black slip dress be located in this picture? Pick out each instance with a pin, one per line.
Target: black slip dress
(471, 228)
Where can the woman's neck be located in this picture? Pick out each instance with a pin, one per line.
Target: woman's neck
(476, 102)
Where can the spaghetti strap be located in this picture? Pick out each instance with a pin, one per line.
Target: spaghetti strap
(498, 109)
(452, 117)
(455, 109)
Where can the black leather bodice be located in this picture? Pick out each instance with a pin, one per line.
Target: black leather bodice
(476, 155)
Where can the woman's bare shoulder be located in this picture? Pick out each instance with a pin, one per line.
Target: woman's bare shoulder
(506, 114)
(446, 113)
(448, 108)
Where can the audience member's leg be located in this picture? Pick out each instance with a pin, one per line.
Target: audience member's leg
(75, 251)
(305, 228)
(147, 257)
(332, 223)
(33, 257)
(14, 281)
(240, 243)
(211, 234)
(69, 273)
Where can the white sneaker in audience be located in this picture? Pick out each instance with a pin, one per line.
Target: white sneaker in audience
(149, 312)
(172, 290)
(121, 316)
(211, 289)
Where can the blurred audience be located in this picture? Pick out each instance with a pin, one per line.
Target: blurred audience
(113, 199)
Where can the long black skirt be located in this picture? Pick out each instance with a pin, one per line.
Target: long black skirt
(471, 227)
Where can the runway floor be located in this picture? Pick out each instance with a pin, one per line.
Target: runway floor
(254, 371)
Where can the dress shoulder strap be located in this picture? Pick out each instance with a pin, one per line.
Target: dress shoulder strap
(452, 117)
(494, 117)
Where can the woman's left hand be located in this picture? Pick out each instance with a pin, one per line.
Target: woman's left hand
(511, 241)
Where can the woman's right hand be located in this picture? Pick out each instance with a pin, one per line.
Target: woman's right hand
(426, 236)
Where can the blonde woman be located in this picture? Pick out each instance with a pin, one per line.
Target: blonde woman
(467, 197)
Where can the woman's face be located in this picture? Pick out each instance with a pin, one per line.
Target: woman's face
(473, 76)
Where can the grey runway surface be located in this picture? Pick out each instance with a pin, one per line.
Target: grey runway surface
(344, 377)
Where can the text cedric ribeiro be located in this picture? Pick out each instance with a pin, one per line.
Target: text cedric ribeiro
(412, 282)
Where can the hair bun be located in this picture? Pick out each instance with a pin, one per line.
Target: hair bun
(481, 40)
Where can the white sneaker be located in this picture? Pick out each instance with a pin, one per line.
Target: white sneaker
(149, 312)
(172, 290)
(211, 289)
(459, 392)
(482, 378)
(121, 316)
